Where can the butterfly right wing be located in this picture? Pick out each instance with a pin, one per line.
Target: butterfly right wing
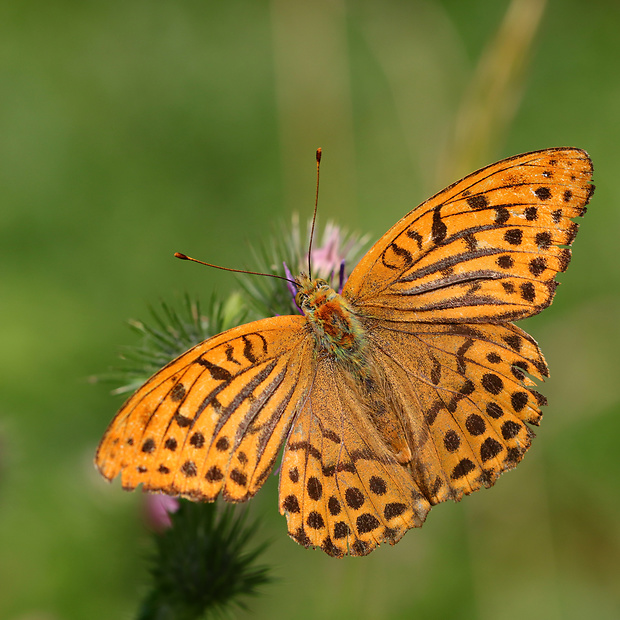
(214, 419)
(485, 249)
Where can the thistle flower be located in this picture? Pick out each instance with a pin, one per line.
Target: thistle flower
(158, 509)
(334, 253)
(204, 564)
(328, 258)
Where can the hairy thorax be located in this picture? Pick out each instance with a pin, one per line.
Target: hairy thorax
(338, 330)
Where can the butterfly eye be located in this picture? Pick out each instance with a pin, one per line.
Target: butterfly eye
(300, 298)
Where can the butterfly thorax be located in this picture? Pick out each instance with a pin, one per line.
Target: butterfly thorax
(336, 327)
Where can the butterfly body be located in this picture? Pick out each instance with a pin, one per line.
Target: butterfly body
(409, 388)
(338, 331)
(341, 336)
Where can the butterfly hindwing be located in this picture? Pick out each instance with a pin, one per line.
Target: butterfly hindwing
(485, 249)
(214, 419)
(466, 392)
(340, 487)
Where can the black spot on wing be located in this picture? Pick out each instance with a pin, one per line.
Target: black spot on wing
(217, 372)
(543, 193)
(178, 392)
(416, 236)
(396, 257)
(229, 355)
(439, 229)
(479, 201)
(248, 346)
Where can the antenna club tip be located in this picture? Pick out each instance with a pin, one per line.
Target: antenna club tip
(318, 155)
(181, 256)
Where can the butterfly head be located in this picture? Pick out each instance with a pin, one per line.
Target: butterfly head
(311, 293)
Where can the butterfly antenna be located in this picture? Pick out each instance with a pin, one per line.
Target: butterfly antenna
(252, 273)
(316, 203)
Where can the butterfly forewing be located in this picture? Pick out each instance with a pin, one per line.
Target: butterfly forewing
(215, 418)
(486, 249)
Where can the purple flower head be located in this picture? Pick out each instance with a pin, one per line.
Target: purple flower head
(158, 509)
(328, 258)
(335, 251)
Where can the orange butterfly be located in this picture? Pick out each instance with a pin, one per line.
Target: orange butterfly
(410, 388)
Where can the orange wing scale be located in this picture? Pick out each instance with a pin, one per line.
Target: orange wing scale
(466, 394)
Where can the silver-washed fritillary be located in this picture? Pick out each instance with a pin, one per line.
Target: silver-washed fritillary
(409, 388)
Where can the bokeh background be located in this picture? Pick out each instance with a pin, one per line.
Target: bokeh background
(132, 129)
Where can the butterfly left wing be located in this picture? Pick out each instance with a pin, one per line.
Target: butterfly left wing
(215, 418)
(340, 487)
(485, 249)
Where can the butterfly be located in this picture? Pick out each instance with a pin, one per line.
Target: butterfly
(410, 387)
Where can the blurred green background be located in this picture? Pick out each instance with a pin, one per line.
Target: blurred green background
(130, 130)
